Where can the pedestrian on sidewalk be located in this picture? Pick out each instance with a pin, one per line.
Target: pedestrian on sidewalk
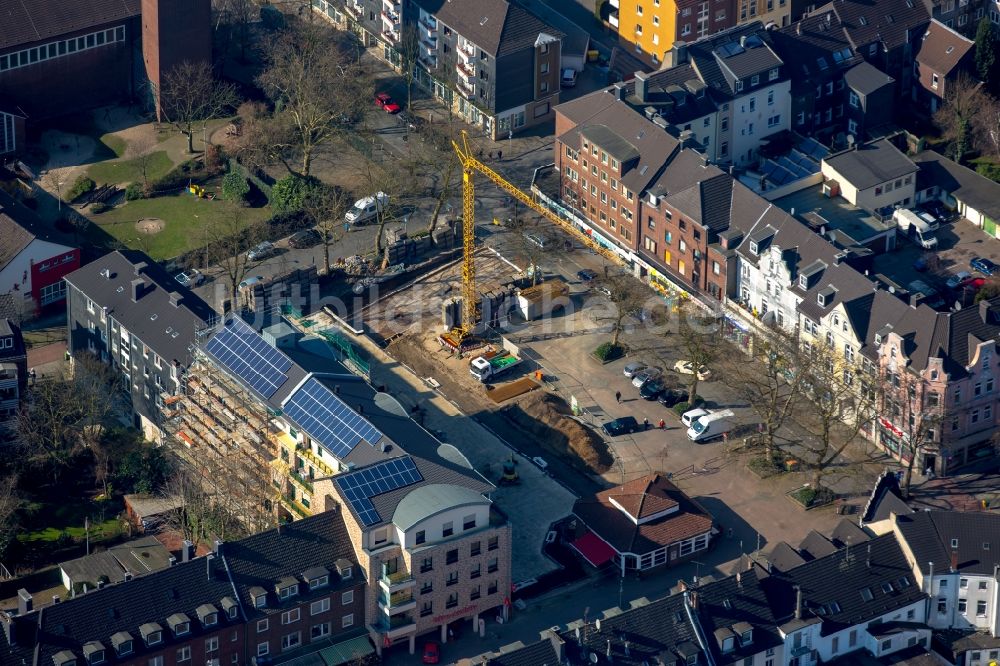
(499, 155)
(618, 397)
(663, 424)
(491, 154)
(645, 424)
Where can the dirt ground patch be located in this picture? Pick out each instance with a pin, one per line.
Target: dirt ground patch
(547, 419)
(513, 389)
(150, 225)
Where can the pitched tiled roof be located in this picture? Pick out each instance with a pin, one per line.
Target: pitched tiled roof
(942, 48)
(167, 329)
(263, 559)
(930, 535)
(709, 201)
(733, 604)
(720, 71)
(872, 163)
(816, 545)
(849, 587)
(864, 78)
(13, 239)
(644, 497)
(496, 26)
(622, 533)
(963, 183)
(886, 21)
(535, 654)
(22, 22)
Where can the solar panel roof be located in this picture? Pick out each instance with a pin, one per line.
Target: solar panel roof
(329, 420)
(360, 486)
(249, 357)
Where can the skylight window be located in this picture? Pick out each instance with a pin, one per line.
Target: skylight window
(866, 594)
(887, 587)
(862, 20)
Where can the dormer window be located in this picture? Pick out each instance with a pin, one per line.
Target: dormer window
(316, 577)
(804, 281)
(182, 628)
(821, 299)
(152, 633)
(211, 620)
(154, 638)
(739, 86)
(345, 573)
(233, 610)
(122, 643)
(727, 644)
(746, 638)
(64, 658)
(260, 601)
(94, 652)
(287, 588)
(125, 648)
(179, 623)
(754, 249)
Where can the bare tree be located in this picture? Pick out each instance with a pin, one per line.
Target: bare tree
(698, 335)
(190, 96)
(237, 16)
(964, 101)
(626, 298)
(317, 88)
(916, 413)
(10, 505)
(409, 50)
(767, 381)
(986, 124)
(326, 207)
(140, 151)
(837, 406)
(228, 240)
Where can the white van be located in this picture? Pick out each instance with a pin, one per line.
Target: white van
(367, 208)
(916, 228)
(711, 425)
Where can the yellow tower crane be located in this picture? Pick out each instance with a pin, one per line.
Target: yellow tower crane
(470, 166)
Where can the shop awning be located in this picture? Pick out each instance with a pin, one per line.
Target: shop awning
(347, 652)
(593, 549)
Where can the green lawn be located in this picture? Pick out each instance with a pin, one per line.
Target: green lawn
(185, 217)
(128, 171)
(115, 144)
(49, 521)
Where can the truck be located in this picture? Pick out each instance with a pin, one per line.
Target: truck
(484, 368)
(915, 227)
(711, 425)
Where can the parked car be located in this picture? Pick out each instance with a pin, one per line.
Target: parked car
(537, 239)
(568, 78)
(251, 281)
(586, 275)
(651, 389)
(605, 290)
(670, 397)
(634, 367)
(957, 279)
(975, 283)
(432, 653)
(304, 238)
(938, 210)
(622, 426)
(367, 208)
(687, 368)
(692, 415)
(385, 102)
(190, 278)
(984, 266)
(261, 251)
(646, 375)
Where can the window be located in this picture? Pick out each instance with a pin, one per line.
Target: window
(212, 644)
(317, 583)
(318, 606)
(962, 606)
(319, 630)
(715, 268)
(261, 626)
(983, 584)
(156, 661)
(184, 653)
(452, 600)
(963, 584)
(754, 80)
(773, 74)
(289, 591)
(452, 579)
(980, 608)
(263, 649)
(739, 86)
(476, 571)
(421, 537)
(451, 557)
(290, 616)
(426, 608)
(291, 641)
(493, 543)
(492, 565)
(545, 66)
(942, 606)
(347, 598)
(447, 529)
(476, 548)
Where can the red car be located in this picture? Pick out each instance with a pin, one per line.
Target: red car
(384, 102)
(432, 653)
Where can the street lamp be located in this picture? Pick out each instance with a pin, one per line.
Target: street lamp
(59, 194)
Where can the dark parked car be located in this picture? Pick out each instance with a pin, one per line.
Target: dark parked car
(651, 389)
(304, 238)
(941, 212)
(586, 275)
(622, 426)
(984, 266)
(671, 397)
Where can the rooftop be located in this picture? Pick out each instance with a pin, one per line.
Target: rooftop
(26, 22)
(166, 316)
(871, 164)
(933, 536)
(496, 26)
(851, 225)
(961, 182)
(942, 49)
(864, 78)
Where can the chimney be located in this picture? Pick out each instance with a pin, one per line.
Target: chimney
(954, 560)
(930, 578)
(25, 602)
(56, 599)
(798, 602)
(984, 310)
(798, 27)
(187, 551)
(739, 580)
(175, 299)
(217, 547)
(641, 80)
(620, 90)
(678, 54)
(172, 560)
(137, 285)
(694, 599)
(128, 576)
(558, 644)
(100, 584)
(996, 571)
(140, 268)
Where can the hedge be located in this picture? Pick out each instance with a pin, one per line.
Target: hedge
(82, 185)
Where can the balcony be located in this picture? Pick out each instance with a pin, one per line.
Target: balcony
(321, 466)
(357, 11)
(429, 24)
(301, 481)
(467, 90)
(390, 6)
(398, 602)
(467, 49)
(295, 508)
(390, 20)
(397, 581)
(466, 71)
(613, 19)
(429, 61)
(395, 626)
(428, 49)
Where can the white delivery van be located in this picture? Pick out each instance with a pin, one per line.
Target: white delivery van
(711, 425)
(692, 415)
(915, 227)
(366, 209)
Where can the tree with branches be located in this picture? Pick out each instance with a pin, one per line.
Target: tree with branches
(326, 207)
(227, 242)
(189, 96)
(697, 333)
(964, 100)
(236, 17)
(409, 50)
(317, 88)
(915, 412)
(626, 298)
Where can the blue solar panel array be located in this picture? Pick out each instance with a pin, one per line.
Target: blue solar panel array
(328, 420)
(248, 356)
(359, 487)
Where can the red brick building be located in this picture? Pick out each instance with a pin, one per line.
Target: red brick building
(58, 58)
